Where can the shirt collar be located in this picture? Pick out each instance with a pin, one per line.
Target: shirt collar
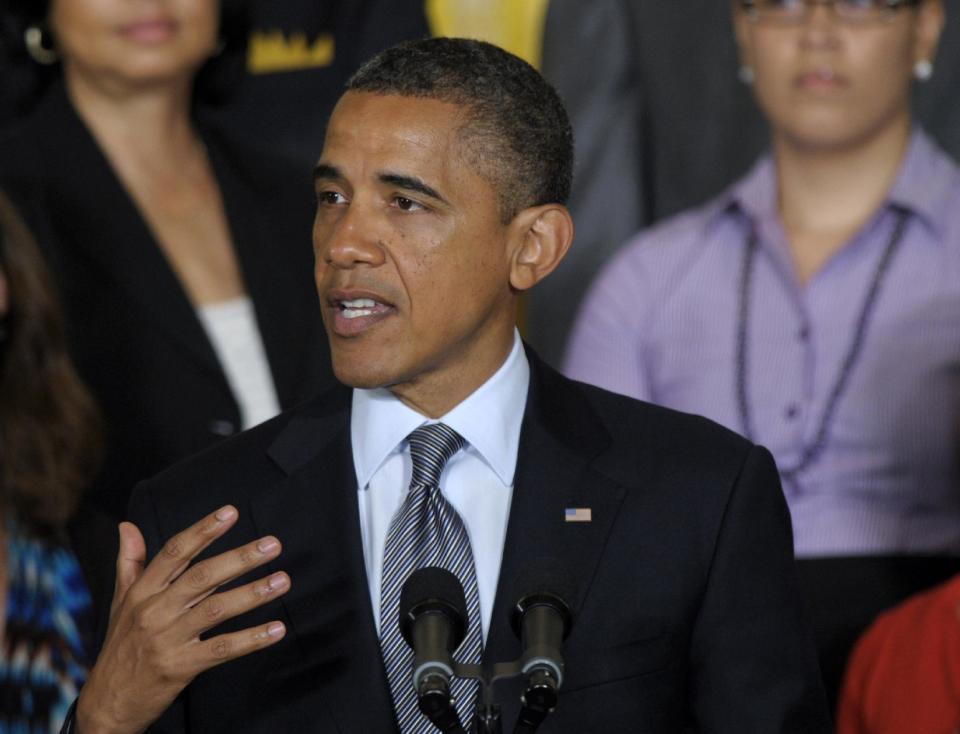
(925, 182)
(923, 186)
(489, 420)
(755, 194)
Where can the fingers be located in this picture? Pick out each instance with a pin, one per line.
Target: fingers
(153, 646)
(203, 578)
(130, 561)
(182, 548)
(215, 609)
(206, 654)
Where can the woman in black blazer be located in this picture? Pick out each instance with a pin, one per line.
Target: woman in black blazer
(151, 219)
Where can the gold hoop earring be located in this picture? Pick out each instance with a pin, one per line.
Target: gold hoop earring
(33, 38)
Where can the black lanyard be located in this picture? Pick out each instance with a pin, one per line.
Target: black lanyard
(812, 451)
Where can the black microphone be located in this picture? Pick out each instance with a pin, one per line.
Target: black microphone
(541, 619)
(433, 621)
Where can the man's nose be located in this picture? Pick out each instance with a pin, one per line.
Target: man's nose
(353, 241)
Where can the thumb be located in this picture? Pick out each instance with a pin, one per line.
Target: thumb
(130, 559)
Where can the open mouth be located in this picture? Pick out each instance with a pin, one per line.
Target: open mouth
(357, 307)
(357, 313)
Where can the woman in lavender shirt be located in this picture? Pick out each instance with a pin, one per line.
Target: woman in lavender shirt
(815, 305)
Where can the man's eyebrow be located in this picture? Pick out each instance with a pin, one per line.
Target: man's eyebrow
(326, 171)
(410, 183)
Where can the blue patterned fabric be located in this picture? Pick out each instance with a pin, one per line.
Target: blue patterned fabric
(42, 658)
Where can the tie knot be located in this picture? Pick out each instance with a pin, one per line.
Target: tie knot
(431, 447)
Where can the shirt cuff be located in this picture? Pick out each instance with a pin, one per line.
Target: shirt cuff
(70, 722)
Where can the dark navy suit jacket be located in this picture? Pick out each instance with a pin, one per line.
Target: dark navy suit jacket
(687, 615)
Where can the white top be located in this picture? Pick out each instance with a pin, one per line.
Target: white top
(232, 329)
(477, 481)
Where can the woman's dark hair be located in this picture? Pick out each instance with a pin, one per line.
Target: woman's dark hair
(49, 425)
(215, 81)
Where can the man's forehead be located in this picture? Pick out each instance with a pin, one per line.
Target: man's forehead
(366, 126)
(413, 102)
(398, 114)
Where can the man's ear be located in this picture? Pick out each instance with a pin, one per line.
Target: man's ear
(541, 236)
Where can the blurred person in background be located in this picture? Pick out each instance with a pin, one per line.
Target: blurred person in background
(904, 673)
(301, 53)
(813, 305)
(183, 257)
(658, 72)
(48, 448)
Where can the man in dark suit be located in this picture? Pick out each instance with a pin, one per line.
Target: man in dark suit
(440, 199)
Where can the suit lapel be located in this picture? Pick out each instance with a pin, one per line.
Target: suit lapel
(97, 214)
(271, 249)
(559, 441)
(314, 513)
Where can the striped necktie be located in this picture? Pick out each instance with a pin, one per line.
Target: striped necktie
(427, 531)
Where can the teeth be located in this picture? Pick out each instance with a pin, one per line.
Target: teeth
(359, 303)
(353, 313)
(357, 307)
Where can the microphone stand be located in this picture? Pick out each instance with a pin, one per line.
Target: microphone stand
(488, 719)
(539, 699)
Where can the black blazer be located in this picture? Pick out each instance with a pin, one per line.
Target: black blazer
(134, 335)
(687, 615)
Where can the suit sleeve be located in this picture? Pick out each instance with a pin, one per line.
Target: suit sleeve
(754, 666)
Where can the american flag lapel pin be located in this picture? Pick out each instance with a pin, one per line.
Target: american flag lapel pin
(577, 514)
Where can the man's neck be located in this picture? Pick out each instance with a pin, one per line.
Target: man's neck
(489, 418)
(435, 395)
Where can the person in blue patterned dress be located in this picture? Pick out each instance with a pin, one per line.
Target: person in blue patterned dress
(48, 447)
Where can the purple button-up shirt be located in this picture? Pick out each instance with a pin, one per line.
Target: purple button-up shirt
(661, 323)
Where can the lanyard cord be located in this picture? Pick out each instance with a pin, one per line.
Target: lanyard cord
(812, 451)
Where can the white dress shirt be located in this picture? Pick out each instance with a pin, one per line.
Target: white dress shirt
(232, 329)
(477, 481)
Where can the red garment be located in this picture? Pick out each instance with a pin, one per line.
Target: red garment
(904, 674)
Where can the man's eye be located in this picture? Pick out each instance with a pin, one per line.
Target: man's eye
(407, 205)
(330, 197)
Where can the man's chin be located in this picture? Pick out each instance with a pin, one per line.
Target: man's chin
(365, 378)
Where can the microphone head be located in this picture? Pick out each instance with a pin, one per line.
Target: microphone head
(433, 590)
(543, 581)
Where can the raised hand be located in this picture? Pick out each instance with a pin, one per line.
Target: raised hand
(153, 647)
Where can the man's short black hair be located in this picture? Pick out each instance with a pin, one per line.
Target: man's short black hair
(517, 130)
